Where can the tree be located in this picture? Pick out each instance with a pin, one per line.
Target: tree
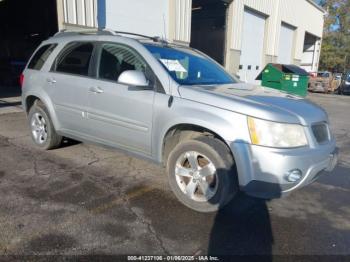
(335, 53)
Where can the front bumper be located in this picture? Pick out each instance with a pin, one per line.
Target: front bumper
(262, 171)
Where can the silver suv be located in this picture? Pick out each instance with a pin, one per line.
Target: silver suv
(176, 106)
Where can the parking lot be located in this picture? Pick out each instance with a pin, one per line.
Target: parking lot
(85, 199)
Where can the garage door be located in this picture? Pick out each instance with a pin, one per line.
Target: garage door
(252, 46)
(286, 44)
(309, 57)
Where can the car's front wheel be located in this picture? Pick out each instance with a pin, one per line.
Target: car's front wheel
(42, 130)
(202, 173)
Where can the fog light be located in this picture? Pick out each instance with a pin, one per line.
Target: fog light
(294, 175)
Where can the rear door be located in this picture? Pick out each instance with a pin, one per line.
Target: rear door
(68, 84)
(120, 114)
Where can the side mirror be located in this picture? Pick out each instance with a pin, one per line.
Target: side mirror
(133, 78)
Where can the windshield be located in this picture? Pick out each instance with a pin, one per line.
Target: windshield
(188, 67)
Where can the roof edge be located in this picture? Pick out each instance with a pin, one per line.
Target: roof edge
(312, 2)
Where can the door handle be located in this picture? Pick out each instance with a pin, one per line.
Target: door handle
(96, 90)
(51, 81)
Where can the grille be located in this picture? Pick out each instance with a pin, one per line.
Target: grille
(321, 132)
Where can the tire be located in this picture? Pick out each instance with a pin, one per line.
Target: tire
(42, 130)
(212, 157)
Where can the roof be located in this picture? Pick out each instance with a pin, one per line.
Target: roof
(317, 6)
(99, 32)
(155, 40)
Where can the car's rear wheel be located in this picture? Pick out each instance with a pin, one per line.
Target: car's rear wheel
(202, 174)
(42, 130)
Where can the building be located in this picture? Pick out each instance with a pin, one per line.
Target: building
(264, 31)
(242, 35)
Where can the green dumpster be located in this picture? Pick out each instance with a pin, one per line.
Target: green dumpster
(289, 78)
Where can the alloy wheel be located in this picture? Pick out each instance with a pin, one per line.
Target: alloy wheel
(196, 176)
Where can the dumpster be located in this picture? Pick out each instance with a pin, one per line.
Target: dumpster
(288, 78)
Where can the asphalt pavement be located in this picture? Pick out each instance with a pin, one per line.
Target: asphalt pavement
(84, 199)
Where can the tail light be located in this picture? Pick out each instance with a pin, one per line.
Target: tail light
(21, 79)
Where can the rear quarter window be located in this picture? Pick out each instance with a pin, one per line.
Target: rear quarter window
(40, 57)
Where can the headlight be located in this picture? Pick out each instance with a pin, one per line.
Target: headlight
(279, 135)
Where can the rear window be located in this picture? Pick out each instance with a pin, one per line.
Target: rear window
(75, 59)
(41, 56)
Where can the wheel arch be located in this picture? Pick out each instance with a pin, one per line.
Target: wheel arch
(31, 99)
(29, 102)
(181, 131)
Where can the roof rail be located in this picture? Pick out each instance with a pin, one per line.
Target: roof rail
(153, 38)
(65, 32)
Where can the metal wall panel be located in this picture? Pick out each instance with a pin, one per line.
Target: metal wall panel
(70, 8)
(183, 10)
(80, 12)
(149, 17)
(80, 6)
(91, 12)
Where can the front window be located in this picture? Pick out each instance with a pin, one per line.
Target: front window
(188, 67)
(115, 59)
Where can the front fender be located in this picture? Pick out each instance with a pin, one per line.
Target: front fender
(228, 125)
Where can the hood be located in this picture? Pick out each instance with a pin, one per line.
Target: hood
(257, 101)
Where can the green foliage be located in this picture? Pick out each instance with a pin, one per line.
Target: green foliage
(335, 53)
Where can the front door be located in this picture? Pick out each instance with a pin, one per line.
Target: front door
(120, 115)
